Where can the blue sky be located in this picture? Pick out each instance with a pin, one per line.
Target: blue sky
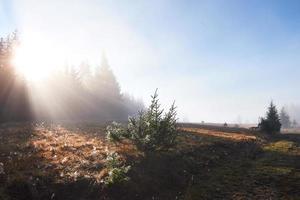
(7, 22)
(221, 60)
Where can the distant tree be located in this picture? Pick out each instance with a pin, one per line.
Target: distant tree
(285, 118)
(74, 94)
(106, 82)
(225, 124)
(107, 91)
(294, 124)
(85, 74)
(271, 123)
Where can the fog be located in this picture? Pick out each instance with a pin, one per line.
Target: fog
(214, 67)
(68, 93)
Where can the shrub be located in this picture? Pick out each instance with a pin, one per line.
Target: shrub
(114, 132)
(117, 171)
(152, 129)
(271, 124)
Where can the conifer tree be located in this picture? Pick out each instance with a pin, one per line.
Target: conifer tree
(271, 123)
(106, 81)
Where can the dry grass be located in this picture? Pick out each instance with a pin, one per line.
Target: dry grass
(68, 162)
(220, 134)
(65, 155)
(72, 155)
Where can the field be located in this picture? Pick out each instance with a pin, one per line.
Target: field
(67, 161)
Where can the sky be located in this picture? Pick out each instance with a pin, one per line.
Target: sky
(220, 60)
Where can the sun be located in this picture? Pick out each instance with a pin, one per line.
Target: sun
(33, 60)
(31, 63)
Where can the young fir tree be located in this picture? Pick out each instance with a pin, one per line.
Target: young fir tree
(151, 130)
(271, 124)
(285, 118)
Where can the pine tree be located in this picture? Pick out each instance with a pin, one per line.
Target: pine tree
(271, 124)
(106, 81)
(285, 118)
(107, 93)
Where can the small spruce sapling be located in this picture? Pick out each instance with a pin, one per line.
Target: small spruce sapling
(150, 130)
(117, 171)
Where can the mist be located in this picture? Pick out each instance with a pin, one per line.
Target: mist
(69, 93)
(294, 111)
(219, 61)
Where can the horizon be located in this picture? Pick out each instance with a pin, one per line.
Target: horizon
(221, 61)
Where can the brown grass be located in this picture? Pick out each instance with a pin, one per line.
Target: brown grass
(219, 134)
(66, 155)
(68, 162)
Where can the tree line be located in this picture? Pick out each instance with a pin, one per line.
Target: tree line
(71, 93)
(80, 94)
